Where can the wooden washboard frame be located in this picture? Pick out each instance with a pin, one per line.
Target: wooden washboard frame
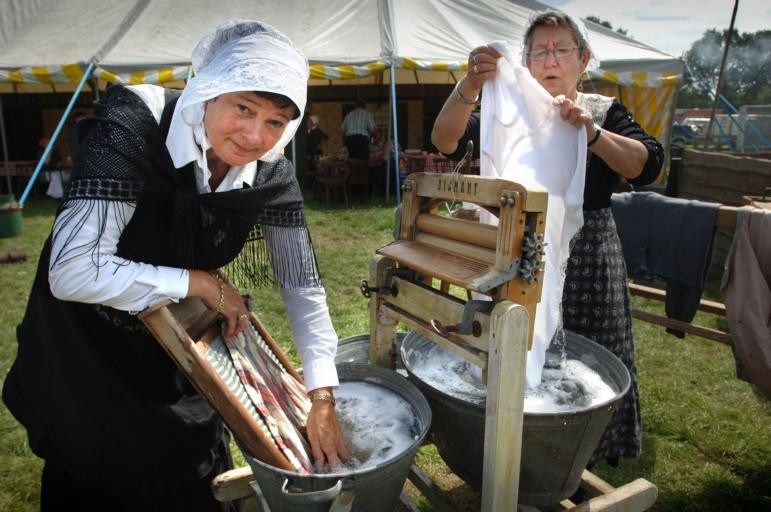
(186, 330)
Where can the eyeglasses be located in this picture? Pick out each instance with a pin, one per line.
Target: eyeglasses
(559, 53)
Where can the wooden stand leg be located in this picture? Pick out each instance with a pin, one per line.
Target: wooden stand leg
(382, 337)
(505, 406)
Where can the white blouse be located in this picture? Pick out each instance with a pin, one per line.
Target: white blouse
(133, 286)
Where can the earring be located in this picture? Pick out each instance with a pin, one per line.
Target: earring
(580, 86)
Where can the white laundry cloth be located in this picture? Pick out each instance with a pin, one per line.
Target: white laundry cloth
(523, 139)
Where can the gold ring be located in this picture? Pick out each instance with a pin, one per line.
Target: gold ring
(243, 317)
(476, 69)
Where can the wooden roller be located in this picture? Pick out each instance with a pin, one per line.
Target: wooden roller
(456, 247)
(474, 233)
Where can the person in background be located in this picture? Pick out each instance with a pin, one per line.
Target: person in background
(54, 158)
(51, 171)
(315, 138)
(166, 190)
(595, 301)
(358, 127)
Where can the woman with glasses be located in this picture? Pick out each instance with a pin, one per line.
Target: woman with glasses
(595, 300)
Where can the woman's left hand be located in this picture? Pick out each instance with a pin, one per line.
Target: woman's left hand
(575, 115)
(325, 436)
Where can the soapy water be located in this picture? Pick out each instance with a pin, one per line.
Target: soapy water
(567, 385)
(377, 424)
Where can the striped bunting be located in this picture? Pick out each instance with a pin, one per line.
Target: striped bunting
(160, 76)
(347, 72)
(641, 79)
(58, 74)
(428, 65)
(73, 73)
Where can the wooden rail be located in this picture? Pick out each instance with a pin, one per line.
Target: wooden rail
(707, 306)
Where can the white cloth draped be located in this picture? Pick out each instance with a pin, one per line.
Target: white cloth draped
(524, 139)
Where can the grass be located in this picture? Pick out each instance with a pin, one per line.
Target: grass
(707, 435)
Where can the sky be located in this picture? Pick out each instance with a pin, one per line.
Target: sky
(671, 25)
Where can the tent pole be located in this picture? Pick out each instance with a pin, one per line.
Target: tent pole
(720, 76)
(396, 132)
(5, 149)
(56, 133)
(93, 82)
(388, 156)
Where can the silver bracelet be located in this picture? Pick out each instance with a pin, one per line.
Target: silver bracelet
(461, 98)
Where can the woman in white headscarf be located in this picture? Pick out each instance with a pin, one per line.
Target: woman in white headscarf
(595, 300)
(165, 189)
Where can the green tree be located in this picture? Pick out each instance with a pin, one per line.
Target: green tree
(606, 24)
(747, 74)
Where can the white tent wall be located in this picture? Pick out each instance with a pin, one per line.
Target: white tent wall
(44, 32)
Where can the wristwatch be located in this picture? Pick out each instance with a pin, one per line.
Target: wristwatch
(597, 132)
(322, 395)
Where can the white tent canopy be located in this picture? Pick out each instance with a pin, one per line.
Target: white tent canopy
(151, 40)
(52, 44)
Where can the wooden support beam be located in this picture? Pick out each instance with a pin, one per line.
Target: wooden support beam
(594, 484)
(426, 304)
(635, 496)
(504, 409)
(704, 332)
(382, 329)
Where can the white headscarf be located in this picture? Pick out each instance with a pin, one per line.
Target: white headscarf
(236, 56)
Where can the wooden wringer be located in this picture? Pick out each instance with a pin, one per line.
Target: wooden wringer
(410, 281)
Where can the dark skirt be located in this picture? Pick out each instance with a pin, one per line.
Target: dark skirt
(595, 304)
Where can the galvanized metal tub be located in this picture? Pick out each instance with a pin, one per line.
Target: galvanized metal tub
(555, 447)
(372, 489)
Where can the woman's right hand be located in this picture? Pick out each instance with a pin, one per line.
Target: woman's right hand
(482, 63)
(450, 124)
(221, 297)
